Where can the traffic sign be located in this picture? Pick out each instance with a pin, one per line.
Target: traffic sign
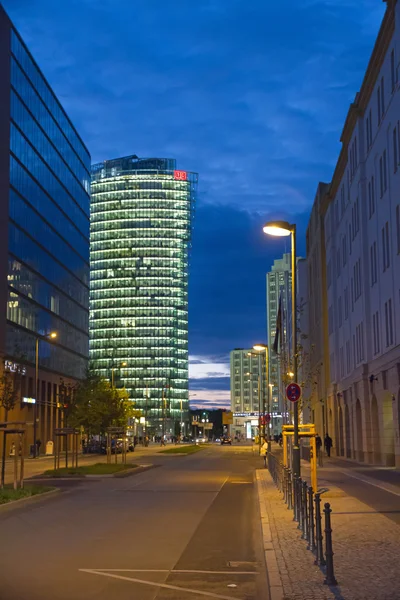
(293, 392)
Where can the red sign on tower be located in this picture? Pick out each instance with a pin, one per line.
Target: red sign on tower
(180, 175)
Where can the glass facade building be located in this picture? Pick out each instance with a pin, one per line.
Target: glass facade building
(44, 223)
(141, 214)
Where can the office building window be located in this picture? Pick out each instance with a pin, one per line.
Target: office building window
(383, 173)
(373, 264)
(341, 361)
(357, 279)
(375, 326)
(340, 311)
(368, 130)
(371, 196)
(389, 322)
(385, 247)
(346, 303)
(398, 227)
(395, 149)
(338, 262)
(348, 356)
(344, 250)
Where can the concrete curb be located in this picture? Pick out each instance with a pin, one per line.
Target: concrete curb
(28, 500)
(274, 577)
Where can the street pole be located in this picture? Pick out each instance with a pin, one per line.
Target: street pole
(296, 446)
(112, 377)
(259, 414)
(181, 424)
(37, 396)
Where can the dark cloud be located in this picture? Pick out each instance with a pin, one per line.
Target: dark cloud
(210, 383)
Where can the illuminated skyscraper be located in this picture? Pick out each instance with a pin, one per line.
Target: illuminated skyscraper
(141, 213)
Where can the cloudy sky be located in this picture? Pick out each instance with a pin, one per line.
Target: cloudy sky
(251, 95)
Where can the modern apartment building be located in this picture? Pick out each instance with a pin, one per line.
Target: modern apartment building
(141, 218)
(44, 238)
(249, 390)
(355, 226)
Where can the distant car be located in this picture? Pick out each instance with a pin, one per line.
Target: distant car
(226, 440)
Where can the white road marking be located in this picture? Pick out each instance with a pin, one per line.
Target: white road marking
(161, 585)
(380, 486)
(176, 571)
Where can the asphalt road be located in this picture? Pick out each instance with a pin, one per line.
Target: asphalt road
(189, 528)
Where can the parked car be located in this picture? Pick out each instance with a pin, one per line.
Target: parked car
(226, 440)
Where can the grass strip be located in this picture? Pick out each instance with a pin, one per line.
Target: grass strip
(8, 494)
(182, 450)
(96, 469)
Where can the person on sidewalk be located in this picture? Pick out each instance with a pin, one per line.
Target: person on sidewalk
(328, 444)
(38, 444)
(318, 443)
(264, 452)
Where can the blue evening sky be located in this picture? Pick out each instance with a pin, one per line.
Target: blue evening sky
(250, 94)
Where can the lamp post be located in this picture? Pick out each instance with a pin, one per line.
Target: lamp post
(51, 335)
(283, 229)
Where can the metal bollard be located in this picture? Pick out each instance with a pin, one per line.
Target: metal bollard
(330, 575)
(300, 503)
(305, 516)
(290, 490)
(285, 484)
(311, 529)
(295, 504)
(319, 559)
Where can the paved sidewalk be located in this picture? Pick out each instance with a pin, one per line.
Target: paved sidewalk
(366, 546)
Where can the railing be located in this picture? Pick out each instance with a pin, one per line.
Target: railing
(306, 506)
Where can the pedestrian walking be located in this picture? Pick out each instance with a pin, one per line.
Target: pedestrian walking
(38, 444)
(264, 452)
(318, 443)
(280, 439)
(328, 444)
(12, 449)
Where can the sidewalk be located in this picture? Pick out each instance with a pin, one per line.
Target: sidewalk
(366, 548)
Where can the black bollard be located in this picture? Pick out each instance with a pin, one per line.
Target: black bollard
(290, 490)
(300, 501)
(319, 559)
(305, 515)
(330, 575)
(311, 529)
(295, 503)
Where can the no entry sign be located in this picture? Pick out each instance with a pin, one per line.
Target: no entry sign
(293, 392)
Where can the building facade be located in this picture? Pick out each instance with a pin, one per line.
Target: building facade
(249, 391)
(44, 241)
(141, 217)
(359, 218)
(279, 285)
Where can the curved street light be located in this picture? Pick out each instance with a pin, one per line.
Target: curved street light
(283, 229)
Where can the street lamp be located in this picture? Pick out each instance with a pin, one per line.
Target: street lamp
(283, 229)
(52, 335)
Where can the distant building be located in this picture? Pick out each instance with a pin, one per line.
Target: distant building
(355, 225)
(248, 390)
(279, 282)
(44, 238)
(141, 219)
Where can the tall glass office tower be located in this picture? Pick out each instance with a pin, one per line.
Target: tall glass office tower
(44, 234)
(141, 213)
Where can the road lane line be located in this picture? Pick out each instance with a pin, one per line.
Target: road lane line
(177, 571)
(380, 486)
(160, 585)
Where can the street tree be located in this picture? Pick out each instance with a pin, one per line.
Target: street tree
(95, 405)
